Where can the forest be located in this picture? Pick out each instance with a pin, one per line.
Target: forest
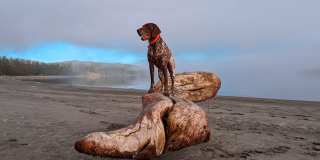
(21, 67)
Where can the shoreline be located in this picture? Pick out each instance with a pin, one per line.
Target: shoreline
(42, 121)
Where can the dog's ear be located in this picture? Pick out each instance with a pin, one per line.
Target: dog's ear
(156, 30)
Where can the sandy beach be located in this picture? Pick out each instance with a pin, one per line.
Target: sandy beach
(42, 121)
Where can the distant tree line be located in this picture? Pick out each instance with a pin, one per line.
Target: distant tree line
(21, 67)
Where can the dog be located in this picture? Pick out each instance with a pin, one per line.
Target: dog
(159, 55)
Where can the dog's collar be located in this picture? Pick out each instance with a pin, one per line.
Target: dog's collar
(154, 41)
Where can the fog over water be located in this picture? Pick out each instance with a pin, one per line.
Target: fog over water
(131, 82)
(267, 49)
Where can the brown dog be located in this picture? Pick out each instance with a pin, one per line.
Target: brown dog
(159, 55)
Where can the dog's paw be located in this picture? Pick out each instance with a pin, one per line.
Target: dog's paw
(151, 90)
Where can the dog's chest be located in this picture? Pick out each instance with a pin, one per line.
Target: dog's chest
(159, 54)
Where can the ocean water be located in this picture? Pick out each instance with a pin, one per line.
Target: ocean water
(291, 88)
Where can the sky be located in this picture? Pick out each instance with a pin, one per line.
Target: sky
(268, 49)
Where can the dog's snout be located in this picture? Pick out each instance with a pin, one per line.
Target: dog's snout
(138, 31)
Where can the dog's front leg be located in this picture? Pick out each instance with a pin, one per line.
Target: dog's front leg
(160, 74)
(152, 87)
(165, 72)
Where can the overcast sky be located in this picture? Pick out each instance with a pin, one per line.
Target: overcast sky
(253, 46)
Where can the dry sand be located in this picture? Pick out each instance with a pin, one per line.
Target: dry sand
(42, 121)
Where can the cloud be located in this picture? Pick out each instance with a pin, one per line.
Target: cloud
(186, 26)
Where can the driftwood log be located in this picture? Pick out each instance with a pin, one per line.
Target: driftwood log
(194, 86)
(165, 124)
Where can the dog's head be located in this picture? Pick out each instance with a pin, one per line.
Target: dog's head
(148, 31)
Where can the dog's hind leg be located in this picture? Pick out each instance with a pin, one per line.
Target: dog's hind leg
(160, 74)
(171, 68)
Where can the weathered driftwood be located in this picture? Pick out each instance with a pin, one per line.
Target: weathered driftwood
(186, 125)
(194, 86)
(164, 125)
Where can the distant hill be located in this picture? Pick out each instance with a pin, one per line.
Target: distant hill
(21, 67)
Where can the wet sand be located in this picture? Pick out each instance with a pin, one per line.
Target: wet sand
(42, 121)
